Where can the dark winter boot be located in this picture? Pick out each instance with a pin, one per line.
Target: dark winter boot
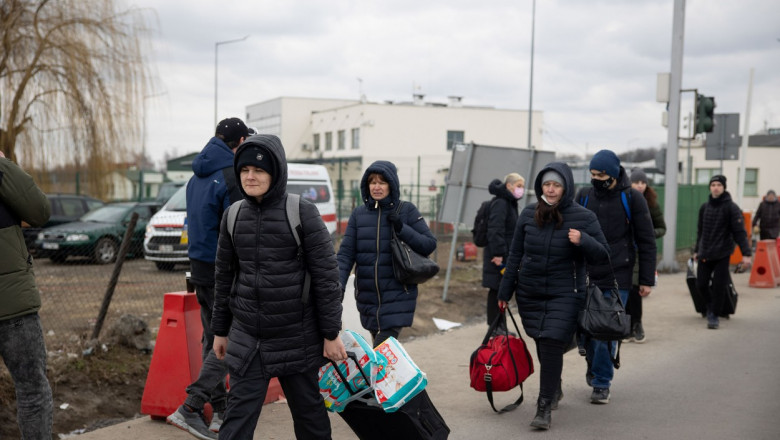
(543, 414)
(557, 397)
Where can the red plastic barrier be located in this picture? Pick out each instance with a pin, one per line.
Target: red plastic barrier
(176, 360)
(766, 267)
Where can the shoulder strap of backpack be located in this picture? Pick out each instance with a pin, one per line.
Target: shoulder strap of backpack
(584, 200)
(293, 208)
(625, 196)
(232, 214)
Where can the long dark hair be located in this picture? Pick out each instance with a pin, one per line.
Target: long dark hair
(547, 214)
(651, 196)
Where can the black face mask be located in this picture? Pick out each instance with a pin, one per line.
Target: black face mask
(602, 185)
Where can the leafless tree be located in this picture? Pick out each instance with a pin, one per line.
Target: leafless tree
(72, 79)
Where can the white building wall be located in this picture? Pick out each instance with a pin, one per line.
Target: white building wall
(764, 159)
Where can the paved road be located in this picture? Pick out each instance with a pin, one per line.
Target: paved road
(685, 382)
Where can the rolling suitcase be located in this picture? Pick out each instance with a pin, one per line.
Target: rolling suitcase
(698, 300)
(418, 419)
(730, 302)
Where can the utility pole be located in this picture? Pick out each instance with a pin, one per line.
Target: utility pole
(669, 260)
(745, 140)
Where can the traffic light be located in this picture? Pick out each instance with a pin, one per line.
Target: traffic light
(705, 114)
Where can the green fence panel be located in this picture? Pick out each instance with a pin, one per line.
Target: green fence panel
(689, 200)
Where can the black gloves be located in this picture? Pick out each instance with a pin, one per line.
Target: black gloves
(395, 221)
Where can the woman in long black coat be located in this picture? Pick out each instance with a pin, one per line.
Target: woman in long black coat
(546, 271)
(501, 222)
(385, 304)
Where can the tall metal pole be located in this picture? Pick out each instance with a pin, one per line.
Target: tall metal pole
(690, 160)
(669, 260)
(531, 87)
(745, 140)
(216, 51)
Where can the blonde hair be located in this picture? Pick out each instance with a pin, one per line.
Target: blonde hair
(514, 177)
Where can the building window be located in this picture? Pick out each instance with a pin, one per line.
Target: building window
(751, 182)
(329, 141)
(342, 140)
(703, 175)
(316, 142)
(453, 137)
(355, 138)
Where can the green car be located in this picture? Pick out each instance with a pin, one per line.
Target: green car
(97, 235)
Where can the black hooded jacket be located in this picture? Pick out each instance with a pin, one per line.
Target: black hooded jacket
(262, 312)
(548, 271)
(500, 229)
(382, 301)
(627, 240)
(720, 225)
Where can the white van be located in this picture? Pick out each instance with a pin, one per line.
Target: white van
(163, 241)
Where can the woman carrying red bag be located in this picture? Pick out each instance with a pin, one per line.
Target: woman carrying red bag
(546, 271)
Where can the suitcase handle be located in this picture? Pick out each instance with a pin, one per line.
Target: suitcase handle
(353, 356)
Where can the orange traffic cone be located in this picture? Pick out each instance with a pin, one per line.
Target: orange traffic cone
(766, 267)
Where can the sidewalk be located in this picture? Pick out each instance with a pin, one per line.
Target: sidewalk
(685, 382)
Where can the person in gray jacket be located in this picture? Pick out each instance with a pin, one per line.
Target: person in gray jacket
(21, 336)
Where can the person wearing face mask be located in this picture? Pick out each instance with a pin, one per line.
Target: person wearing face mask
(501, 222)
(553, 239)
(385, 304)
(625, 220)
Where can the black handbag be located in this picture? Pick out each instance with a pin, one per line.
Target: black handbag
(409, 267)
(604, 316)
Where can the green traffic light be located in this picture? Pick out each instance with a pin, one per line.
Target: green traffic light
(705, 114)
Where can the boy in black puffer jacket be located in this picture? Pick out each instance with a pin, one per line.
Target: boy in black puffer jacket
(263, 325)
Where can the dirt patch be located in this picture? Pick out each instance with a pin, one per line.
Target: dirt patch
(106, 387)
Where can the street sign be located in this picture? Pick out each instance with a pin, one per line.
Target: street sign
(723, 142)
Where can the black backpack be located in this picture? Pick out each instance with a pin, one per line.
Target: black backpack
(479, 233)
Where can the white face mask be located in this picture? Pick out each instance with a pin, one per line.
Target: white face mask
(518, 192)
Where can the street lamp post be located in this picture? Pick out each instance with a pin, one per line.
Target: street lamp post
(216, 51)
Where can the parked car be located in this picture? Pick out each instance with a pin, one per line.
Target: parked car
(167, 190)
(164, 242)
(65, 208)
(98, 234)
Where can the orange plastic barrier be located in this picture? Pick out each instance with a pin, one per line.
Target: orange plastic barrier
(736, 256)
(766, 265)
(176, 360)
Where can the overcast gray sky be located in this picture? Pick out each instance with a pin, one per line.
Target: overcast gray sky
(595, 62)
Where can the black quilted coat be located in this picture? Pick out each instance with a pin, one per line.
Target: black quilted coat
(547, 271)
(500, 230)
(382, 301)
(720, 225)
(264, 314)
(627, 240)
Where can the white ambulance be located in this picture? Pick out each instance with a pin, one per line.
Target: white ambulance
(166, 247)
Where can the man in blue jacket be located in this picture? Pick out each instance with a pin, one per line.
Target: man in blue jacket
(625, 220)
(209, 194)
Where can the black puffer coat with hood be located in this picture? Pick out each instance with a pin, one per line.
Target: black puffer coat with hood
(263, 314)
(500, 230)
(382, 301)
(546, 270)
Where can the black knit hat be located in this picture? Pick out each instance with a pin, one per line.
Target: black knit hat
(719, 178)
(254, 156)
(232, 129)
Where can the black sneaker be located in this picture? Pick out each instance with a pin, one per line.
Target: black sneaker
(712, 321)
(639, 333)
(600, 396)
(191, 421)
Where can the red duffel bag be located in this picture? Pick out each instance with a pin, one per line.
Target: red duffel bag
(501, 363)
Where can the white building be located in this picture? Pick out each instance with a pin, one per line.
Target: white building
(762, 168)
(417, 136)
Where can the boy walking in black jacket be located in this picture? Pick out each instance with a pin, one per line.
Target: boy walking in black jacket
(720, 225)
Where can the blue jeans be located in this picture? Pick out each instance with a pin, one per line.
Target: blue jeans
(599, 356)
(24, 353)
